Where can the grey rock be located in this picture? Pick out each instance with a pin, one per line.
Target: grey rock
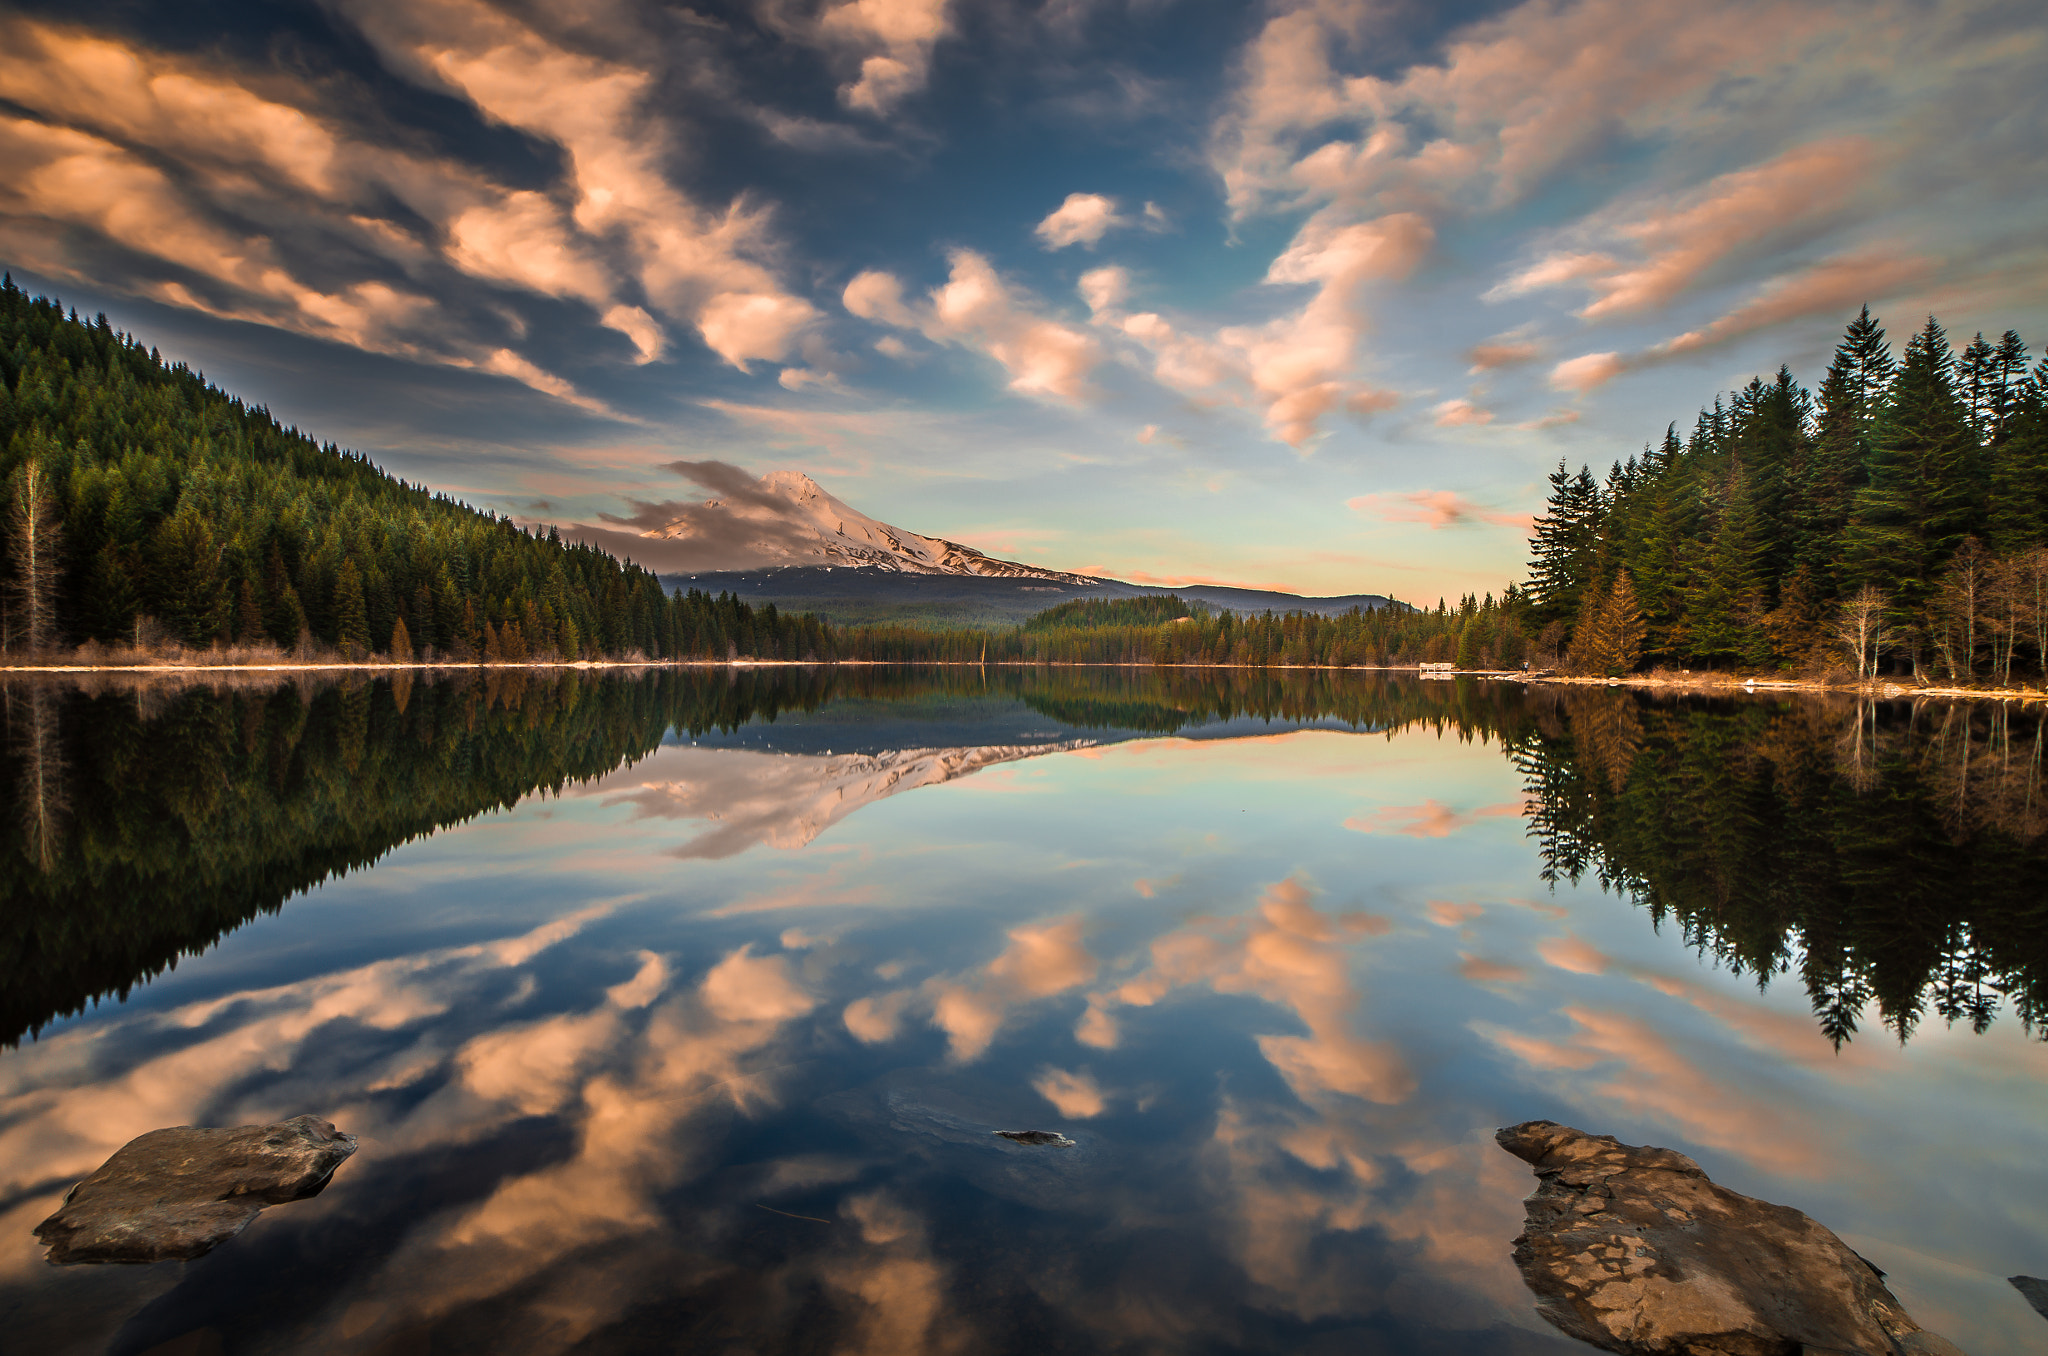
(2034, 1289)
(176, 1194)
(1635, 1251)
(1036, 1137)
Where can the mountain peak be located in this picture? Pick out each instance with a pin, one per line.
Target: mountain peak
(793, 520)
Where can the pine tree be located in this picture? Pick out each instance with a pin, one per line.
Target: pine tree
(351, 617)
(1922, 496)
(401, 643)
(1566, 544)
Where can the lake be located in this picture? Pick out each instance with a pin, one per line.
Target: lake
(676, 1011)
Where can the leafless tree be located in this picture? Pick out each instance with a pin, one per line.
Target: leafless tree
(35, 542)
(1857, 627)
(41, 797)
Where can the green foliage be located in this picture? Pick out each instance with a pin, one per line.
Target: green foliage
(1095, 631)
(181, 504)
(1089, 614)
(1745, 541)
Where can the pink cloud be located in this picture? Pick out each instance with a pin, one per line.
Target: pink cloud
(1587, 373)
(1430, 819)
(1481, 971)
(1570, 953)
(1292, 955)
(1457, 413)
(1832, 287)
(976, 310)
(1083, 219)
(1503, 350)
(1437, 508)
(1738, 213)
(1447, 915)
(1041, 960)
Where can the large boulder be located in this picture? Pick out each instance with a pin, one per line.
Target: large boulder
(1634, 1250)
(175, 1194)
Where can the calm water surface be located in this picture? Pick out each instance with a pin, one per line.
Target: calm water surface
(676, 1013)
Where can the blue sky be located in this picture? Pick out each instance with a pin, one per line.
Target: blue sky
(1303, 295)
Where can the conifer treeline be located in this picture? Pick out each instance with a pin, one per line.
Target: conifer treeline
(1895, 521)
(145, 506)
(1477, 633)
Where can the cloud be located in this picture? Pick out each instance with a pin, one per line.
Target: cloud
(1833, 287)
(1653, 1079)
(1431, 819)
(883, 48)
(1570, 953)
(697, 264)
(1083, 219)
(1074, 1095)
(229, 201)
(1481, 971)
(1587, 373)
(1448, 915)
(1503, 350)
(1512, 99)
(748, 988)
(976, 310)
(1461, 413)
(1437, 508)
(1042, 960)
(1292, 955)
(1736, 215)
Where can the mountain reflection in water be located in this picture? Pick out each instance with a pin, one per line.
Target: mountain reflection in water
(683, 1052)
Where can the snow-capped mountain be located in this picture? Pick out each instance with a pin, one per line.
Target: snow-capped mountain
(788, 519)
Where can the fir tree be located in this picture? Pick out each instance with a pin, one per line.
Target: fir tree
(351, 617)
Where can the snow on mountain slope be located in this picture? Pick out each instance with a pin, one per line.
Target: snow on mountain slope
(787, 800)
(793, 521)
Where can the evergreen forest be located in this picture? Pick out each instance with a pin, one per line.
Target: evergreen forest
(1893, 522)
(148, 509)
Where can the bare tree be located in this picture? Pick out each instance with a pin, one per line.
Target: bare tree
(1958, 604)
(1856, 626)
(36, 541)
(42, 799)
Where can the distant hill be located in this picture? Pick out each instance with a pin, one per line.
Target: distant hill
(859, 596)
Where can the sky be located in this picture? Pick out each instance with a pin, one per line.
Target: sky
(1304, 295)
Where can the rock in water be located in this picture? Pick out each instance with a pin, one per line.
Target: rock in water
(1035, 1137)
(2035, 1291)
(172, 1195)
(1634, 1250)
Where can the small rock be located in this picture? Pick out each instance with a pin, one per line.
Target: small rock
(1035, 1137)
(176, 1194)
(2035, 1290)
(1634, 1250)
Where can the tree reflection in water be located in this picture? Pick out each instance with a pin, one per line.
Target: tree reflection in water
(1891, 854)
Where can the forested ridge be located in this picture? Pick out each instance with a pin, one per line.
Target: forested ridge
(1894, 521)
(147, 508)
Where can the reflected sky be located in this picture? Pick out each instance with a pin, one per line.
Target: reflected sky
(707, 1054)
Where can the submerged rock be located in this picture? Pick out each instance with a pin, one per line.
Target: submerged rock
(1634, 1250)
(176, 1194)
(1035, 1137)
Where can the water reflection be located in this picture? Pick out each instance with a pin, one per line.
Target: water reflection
(686, 1054)
(1891, 854)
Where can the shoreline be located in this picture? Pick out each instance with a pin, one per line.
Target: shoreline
(1701, 684)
